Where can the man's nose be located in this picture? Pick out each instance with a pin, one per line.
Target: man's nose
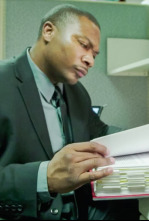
(88, 60)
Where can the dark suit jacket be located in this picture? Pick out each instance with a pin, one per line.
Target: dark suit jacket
(24, 139)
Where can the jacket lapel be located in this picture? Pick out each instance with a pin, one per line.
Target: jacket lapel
(30, 95)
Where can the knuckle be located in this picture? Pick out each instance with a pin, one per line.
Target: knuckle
(92, 176)
(95, 162)
(104, 173)
(93, 146)
(96, 147)
(69, 157)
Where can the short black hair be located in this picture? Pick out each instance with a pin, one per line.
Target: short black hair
(65, 13)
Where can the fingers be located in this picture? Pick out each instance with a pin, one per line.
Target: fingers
(96, 162)
(94, 175)
(80, 157)
(92, 147)
(69, 168)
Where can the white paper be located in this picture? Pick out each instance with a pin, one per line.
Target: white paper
(139, 160)
(127, 142)
(133, 160)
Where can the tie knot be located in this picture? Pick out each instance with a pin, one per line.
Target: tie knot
(57, 96)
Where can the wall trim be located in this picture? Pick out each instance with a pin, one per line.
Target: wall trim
(2, 29)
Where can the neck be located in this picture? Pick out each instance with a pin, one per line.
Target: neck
(37, 55)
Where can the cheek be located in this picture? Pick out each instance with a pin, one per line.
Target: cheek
(71, 55)
(66, 53)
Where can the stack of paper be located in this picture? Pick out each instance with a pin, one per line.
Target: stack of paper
(131, 170)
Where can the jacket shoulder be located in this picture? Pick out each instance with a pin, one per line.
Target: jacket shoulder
(6, 65)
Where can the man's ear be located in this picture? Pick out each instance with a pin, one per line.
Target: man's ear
(48, 31)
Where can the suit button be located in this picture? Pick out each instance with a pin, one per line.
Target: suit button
(54, 211)
(7, 208)
(20, 208)
(13, 208)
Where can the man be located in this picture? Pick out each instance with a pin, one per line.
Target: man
(40, 163)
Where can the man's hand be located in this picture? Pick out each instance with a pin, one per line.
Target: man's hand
(70, 167)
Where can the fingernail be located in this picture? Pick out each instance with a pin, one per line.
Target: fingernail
(112, 160)
(110, 170)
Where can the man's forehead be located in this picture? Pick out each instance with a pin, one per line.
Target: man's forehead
(83, 27)
(82, 23)
(88, 26)
(90, 31)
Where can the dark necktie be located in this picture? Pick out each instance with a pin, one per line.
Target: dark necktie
(58, 102)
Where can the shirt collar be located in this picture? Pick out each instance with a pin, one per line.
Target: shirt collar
(43, 83)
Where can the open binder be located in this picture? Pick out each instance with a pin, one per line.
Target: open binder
(130, 178)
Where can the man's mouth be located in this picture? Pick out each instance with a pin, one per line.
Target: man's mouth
(81, 72)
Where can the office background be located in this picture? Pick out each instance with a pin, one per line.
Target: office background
(127, 98)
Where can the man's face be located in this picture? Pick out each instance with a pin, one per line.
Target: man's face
(72, 51)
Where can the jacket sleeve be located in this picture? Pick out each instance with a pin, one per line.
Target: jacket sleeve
(18, 182)
(18, 190)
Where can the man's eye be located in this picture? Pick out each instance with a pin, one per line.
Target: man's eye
(94, 56)
(84, 45)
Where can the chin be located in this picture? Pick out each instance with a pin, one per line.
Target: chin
(72, 81)
(70, 78)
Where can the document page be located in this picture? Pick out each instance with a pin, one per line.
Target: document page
(133, 160)
(127, 142)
